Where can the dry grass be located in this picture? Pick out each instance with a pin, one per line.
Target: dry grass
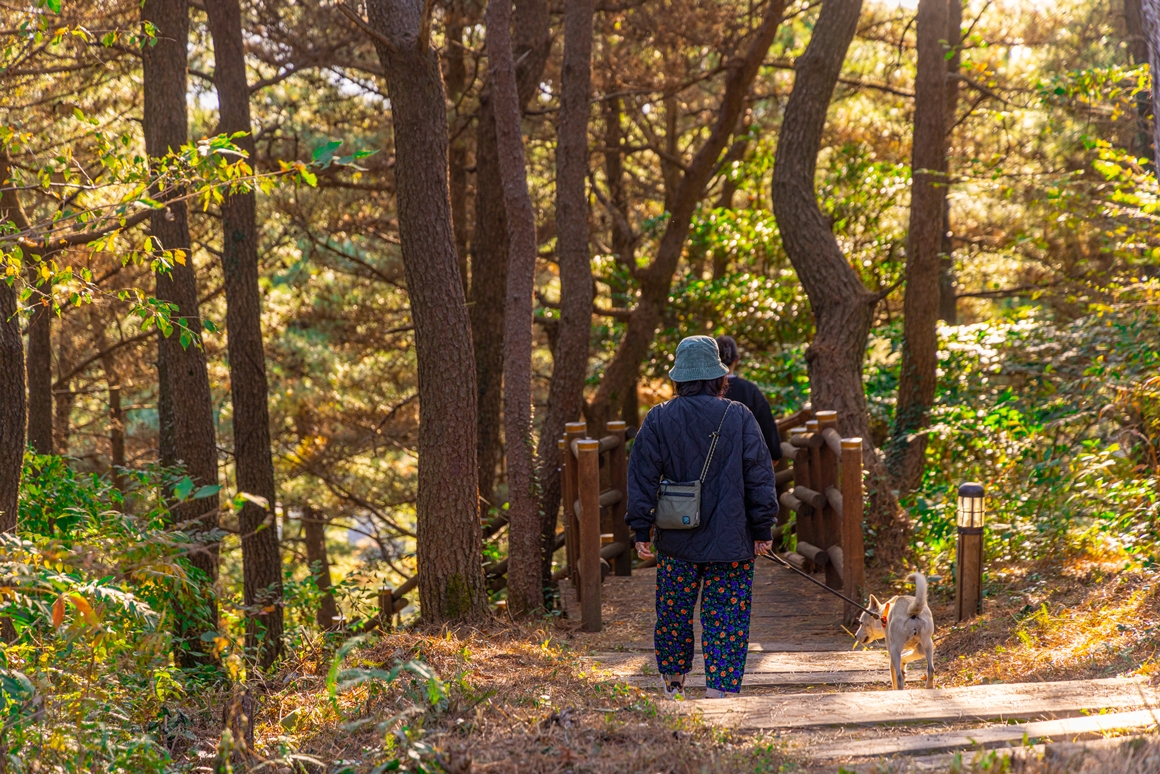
(1077, 620)
(1136, 755)
(512, 700)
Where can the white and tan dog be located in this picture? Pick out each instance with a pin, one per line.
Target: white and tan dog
(907, 625)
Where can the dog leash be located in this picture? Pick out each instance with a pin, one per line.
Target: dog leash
(778, 560)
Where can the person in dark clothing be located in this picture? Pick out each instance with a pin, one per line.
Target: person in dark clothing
(745, 391)
(737, 515)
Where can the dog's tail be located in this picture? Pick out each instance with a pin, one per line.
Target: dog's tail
(919, 604)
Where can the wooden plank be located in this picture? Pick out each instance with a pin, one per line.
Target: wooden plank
(796, 663)
(987, 737)
(787, 679)
(979, 702)
(804, 645)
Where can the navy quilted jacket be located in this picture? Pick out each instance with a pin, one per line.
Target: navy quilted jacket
(739, 498)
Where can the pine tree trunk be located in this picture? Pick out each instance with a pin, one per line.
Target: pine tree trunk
(570, 352)
(314, 536)
(187, 429)
(262, 564)
(489, 244)
(916, 384)
(116, 417)
(948, 306)
(456, 85)
(13, 400)
(1150, 15)
(63, 397)
(39, 375)
(621, 373)
(449, 550)
(843, 308)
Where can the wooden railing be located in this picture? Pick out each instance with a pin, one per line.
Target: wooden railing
(823, 488)
(594, 475)
(819, 480)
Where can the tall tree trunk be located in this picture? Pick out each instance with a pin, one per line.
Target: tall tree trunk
(1150, 15)
(262, 564)
(928, 165)
(188, 435)
(116, 417)
(621, 374)
(456, 85)
(39, 377)
(1137, 45)
(63, 397)
(525, 557)
(314, 535)
(449, 545)
(489, 248)
(570, 353)
(13, 400)
(948, 310)
(843, 308)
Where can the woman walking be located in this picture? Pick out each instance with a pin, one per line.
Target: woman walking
(701, 476)
(745, 391)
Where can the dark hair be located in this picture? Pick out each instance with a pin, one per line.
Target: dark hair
(727, 348)
(714, 387)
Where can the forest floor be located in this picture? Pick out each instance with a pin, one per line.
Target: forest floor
(520, 698)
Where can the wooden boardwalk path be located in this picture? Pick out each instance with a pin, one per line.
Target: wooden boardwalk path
(831, 704)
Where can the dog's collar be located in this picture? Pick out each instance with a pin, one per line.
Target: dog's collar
(885, 613)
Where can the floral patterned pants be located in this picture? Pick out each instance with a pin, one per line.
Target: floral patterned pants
(725, 606)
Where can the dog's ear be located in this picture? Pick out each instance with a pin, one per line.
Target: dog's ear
(874, 603)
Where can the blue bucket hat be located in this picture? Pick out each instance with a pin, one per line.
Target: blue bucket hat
(697, 359)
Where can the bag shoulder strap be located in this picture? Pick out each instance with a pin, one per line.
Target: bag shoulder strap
(713, 446)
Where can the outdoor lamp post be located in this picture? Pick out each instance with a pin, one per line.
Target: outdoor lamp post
(969, 558)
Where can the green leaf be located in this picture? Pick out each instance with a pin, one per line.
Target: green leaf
(53, 5)
(183, 488)
(186, 339)
(206, 491)
(324, 154)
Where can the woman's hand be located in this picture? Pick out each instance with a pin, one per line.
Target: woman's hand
(762, 547)
(644, 551)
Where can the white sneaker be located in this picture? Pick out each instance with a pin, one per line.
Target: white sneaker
(674, 686)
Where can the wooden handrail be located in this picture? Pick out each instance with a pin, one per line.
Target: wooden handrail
(807, 440)
(783, 476)
(837, 561)
(833, 440)
(834, 498)
(816, 500)
(813, 553)
(787, 450)
(791, 503)
(609, 442)
(612, 551)
(607, 499)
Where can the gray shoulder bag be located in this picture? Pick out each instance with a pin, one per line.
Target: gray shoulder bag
(679, 504)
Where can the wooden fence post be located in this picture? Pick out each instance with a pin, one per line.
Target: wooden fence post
(588, 475)
(618, 479)
(572, 431)
(853, 545)
(801, 477)
(830, 518)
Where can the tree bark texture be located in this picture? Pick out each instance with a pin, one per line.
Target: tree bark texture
(116, 417)
(262, 564)
(621, 374)
(13, 400)
(570, 354)
(948, 310)
(525, 590)
(489, 244)
(314, 535)
(187, 418)
(1150, 15)
(1137, 45)
(843, 308)
(456, 85)
(928, 164)
(449, 545)
(39, 376)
